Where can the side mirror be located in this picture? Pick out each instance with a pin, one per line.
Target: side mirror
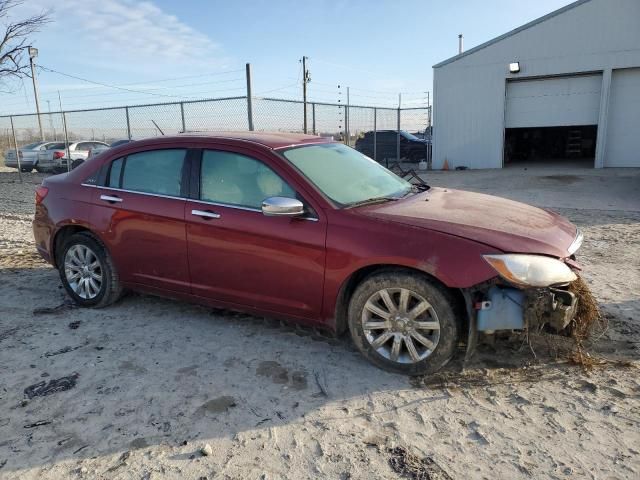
(282, 207)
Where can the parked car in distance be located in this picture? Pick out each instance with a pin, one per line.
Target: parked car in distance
(29, 155)
(98, 150)
(308, 230)
(411, 147)
(56, 159)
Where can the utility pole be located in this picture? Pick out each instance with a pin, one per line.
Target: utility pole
(305, 79)
(249, 97)
(347, 114)
(33, 53)
(398, 135)
(53, 129)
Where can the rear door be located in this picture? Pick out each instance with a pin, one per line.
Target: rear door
(81, 150)
(140, 212)
(240, 256)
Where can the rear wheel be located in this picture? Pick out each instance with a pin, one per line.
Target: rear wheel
(403, 322)
(76, 163)
(87, 271)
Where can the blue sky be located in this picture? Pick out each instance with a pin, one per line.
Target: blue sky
(198, 48)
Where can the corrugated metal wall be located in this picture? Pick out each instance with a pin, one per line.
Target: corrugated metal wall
(469, 92)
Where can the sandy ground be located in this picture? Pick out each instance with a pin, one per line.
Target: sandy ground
(138, 389)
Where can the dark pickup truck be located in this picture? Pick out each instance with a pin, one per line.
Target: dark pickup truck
(411, 147)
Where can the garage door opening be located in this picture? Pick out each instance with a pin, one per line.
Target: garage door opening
(550, 146)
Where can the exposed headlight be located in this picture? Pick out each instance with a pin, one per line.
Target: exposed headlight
(576, 244)
(531, 270)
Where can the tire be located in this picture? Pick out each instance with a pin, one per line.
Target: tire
(415, 157)
(440, 314)
(70, 262)
(26, 169)
(76, 163)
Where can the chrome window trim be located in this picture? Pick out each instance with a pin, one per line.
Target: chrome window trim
(236, 207)
(226, 205)
(577, 242)
(133, 191)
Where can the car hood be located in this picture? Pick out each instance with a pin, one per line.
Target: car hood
(507, 225)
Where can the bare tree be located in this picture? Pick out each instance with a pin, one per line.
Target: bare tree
(13, 60)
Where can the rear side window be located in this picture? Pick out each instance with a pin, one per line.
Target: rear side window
(157, 171)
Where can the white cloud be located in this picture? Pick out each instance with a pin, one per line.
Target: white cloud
(138, 28)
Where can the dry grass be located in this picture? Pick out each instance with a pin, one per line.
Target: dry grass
(583, 327)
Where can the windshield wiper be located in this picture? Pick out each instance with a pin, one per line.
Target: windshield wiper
(371, 201)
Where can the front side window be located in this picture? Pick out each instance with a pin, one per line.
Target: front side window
(345, 175)
(156, 171)
(233, 179)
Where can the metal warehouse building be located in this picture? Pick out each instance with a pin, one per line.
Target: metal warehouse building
(565, 87)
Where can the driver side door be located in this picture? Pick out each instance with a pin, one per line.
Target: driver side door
(239, 256)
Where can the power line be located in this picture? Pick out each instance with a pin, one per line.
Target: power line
(105, 84)
(105, 94)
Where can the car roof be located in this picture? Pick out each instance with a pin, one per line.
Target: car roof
(274, 140)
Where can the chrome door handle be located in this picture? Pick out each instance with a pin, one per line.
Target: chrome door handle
(205, 214)
(110, 198)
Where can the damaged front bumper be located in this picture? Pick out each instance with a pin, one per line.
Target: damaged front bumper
(497, 307)
(506, 308)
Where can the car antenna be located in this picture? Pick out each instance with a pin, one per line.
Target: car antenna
(159, 129)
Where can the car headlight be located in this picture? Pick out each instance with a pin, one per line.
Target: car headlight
(531, 270)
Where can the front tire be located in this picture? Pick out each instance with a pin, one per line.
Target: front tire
(87, 271)
(403, 322)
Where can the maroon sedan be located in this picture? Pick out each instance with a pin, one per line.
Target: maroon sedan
(310, 230)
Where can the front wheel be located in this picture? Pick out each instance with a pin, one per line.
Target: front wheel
(87, 271)
(403, 322)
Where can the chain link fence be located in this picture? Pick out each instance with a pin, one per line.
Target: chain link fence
(346, 123)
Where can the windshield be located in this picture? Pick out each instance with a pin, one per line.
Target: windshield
(345, 175)
(408, 135)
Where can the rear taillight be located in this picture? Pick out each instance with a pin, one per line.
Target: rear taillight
(41, 192)
(57, 155)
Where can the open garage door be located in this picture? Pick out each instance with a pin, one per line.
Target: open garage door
(622, 147)
(552, 120)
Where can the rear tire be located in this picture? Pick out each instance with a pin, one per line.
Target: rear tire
(76, 163)
(415, 335)
(87, 271)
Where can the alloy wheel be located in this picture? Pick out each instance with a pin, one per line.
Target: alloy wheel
(400, 325)
(83, 271)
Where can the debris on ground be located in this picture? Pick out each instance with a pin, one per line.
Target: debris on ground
(38, 424)
(206, 450)
(63, 307)
(66, 349)
(42, 389)
(411, 466)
